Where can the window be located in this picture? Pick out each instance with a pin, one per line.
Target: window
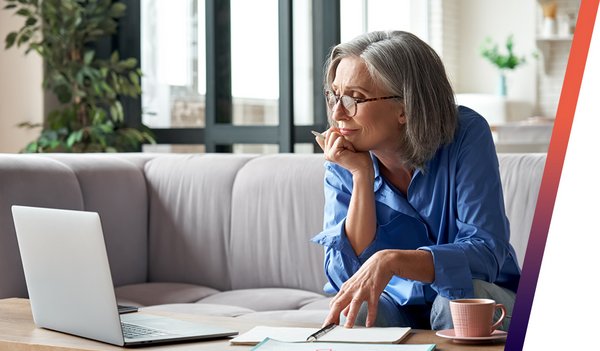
(361, 16)
(241, 76)
(173, 63)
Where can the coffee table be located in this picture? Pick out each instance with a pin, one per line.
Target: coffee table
(18, 332)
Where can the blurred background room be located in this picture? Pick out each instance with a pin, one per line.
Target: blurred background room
(246, 76)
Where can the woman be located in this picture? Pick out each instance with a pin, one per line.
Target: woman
(414, 213)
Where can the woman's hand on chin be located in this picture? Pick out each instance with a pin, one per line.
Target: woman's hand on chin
(338, 149)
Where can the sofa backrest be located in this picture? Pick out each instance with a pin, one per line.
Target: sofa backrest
(277, 207)
(521, 176)
(219, 220)
(190, 217)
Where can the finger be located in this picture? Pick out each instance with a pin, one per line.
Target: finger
(321, 142)
(345, 311)
(331, 318)
(335, 307)
(338, 146)
(352, 313)
(348, 145)
(335, 148)
(372, 312)
(330, 139)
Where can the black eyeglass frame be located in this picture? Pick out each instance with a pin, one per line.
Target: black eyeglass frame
(356, 101)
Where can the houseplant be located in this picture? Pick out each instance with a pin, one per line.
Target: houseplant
(503, 61)
(90, 117)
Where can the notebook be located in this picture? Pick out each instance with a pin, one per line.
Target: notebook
(70, 286)
(338, 334)
(274, 345)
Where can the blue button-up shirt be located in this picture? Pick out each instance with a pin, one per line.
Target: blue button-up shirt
(454, 209)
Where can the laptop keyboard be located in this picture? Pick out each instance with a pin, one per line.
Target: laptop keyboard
(133, 331)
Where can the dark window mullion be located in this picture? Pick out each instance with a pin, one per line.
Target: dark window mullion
(178, 135)
(286, 76)
(326, 34)
(218, 70)
(128, 42)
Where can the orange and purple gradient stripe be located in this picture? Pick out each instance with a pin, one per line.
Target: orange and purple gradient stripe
(552, 173)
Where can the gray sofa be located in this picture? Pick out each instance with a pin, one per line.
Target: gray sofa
(217, 234)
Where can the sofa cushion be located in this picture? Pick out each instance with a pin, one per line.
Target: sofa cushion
(201, 309)
(277, 207)
(265, 299)
(161, 293)
(190, 216)
(320, 304)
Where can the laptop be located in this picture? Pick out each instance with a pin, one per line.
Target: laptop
(70, 286)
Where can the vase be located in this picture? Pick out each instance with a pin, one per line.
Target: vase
(502, 84)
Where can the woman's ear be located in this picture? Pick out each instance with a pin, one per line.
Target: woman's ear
(401, 115)
(402, 118)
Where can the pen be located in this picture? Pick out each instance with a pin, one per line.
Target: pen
(318, 135)
(321, 332)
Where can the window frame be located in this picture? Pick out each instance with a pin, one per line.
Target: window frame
(219, 134)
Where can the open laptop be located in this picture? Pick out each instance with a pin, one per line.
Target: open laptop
(70, 286)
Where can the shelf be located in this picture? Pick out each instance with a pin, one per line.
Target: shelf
(544, 44)
(554, 38)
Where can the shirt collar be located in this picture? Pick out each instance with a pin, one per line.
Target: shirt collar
(378, 180)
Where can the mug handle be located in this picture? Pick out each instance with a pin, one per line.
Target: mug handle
(497, 324)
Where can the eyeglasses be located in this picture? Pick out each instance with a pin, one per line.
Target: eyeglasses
(349, 103)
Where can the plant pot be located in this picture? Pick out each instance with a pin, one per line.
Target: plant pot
(502, 84)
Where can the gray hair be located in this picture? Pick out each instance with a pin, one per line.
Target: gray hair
(406, 66)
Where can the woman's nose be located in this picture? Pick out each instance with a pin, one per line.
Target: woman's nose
(338, 113)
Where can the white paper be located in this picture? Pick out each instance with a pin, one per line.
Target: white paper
(274, 345)
(339, 334)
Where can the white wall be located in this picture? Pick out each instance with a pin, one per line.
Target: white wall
(21, 96)
(498, 19)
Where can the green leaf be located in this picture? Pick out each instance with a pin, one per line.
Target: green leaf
(130, 63)
(31, 21)
(88, 57)
(149, 137)
(106, 128)
(63, 93)
(10, 40)
(32, 147)
(10, 6)
(74, 137)
(107, 88)
(24, 12)
(116, 111)
(117, 10)
(24, 38)
(29, 125)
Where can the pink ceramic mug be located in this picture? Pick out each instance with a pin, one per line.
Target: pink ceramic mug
(475, 317)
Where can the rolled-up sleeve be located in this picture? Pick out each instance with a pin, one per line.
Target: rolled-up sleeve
(479, 242)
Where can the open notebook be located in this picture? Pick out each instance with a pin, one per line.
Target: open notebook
(274, 345)
(337, 334)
